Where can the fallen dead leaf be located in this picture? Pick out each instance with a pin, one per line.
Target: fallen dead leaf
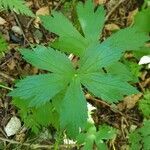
(43, 11)
(100, 2)
(29, 4)
(129, 102)
(11, 65)
(131, 16)
(2, 21)
(112, 27)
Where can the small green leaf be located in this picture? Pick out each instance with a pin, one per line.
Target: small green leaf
(3, 45)
(39, 89)
(48, 59)
(91, 137)
(144, 104)
(146, 144)
(134, 139)
(104, 86)
(106, 132)
(91, 21)
(33, 117)
(141, 52)
(140, 137)
(134, 68)
(16, 5)
(145, 129)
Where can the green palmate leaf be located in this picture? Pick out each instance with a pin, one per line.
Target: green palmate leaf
(63, 29)
(144, 104)
(70, 45)
(16, 5)
(104, 86)
(91, 22)
(39, 89)
(142, 20)
(70, 40)
(97, 57)
(48, 59)
(73, 108)
(121, 71)
(141, 52)
(66, 31)
(63, 85)
(110, 51)
(130, 38)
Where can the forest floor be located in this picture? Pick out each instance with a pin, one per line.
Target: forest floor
(13, 67)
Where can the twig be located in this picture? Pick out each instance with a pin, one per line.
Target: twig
(6, 76)
(88, 96)
(18, 22)
(58, 4)
(113, 9)
(35, 146)
(29, 23)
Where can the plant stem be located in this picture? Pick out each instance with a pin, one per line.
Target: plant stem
(5, 87)
(56, 147)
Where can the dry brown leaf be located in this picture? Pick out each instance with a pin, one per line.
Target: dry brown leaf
(130, 18)
(129, 102)
(37, 22)
(11, 65)
(111, 27)
(100, 2)
(2, 21)
(29, 4)
(43, 11)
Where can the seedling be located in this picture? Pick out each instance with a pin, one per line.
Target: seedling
(62, 89)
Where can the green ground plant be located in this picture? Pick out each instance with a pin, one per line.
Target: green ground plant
(3, 46)
(17, 6)
(139, 139)
(59, 94)
(91, 136)
(144, 105)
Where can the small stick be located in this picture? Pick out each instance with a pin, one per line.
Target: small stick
(88, 96)
(113, 9)
(58, 4)
(17, 20)
(6, 76)
(36, 146)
